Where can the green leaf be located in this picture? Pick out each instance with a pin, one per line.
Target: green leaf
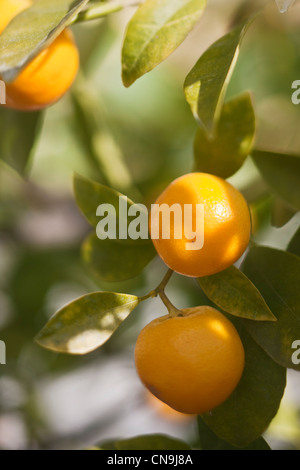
(114, 261)
(210, 441)
(225, 153)
(33, 30)
(205, 85)
(86, 323)
(246, 414)
(282, 173)
(146, 442)
(282, 213)
(102, 151)
(276, 274)
(157, 28)
(18, 134)
(90, 194)
(232, 291)
(294, 245)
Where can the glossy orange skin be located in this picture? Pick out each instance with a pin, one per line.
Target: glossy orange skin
(192, 363)
(227, 225)
(47, 77)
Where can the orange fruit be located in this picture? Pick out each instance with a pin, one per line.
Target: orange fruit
(47, 77)
(191, 362)
(226, 225)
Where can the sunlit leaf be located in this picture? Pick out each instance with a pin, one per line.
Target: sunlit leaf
(226, 151)
(232, 291)
(33, 30)
(276, 274)
(205, 85)
(86, 323)
(157, 28)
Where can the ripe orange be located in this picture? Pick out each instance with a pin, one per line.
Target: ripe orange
(46, 78)
(191, 362)
(227, 225)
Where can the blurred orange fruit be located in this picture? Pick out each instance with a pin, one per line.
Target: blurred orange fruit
(47, 77)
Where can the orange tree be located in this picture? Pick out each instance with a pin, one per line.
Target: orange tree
(259, 296)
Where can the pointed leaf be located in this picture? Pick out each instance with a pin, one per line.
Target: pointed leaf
(232, 291)
(155, 31)
(18, 134)
(205, 85)
(282, 173)
(232, 142)
(90, 194)
(210, 441)
(114, 261)
(246, 414)
(33, 30)
(86, 323)
(276, 274)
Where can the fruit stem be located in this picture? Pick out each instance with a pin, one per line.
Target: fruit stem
(160, 290)
(173, 311)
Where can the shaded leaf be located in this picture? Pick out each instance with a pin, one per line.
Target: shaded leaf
(246, 414)
(157, 28)
(226, 151)
(276, 274)
(210, 441)
(33, 30)
(114, 261)
(90, 194)
(146, 442)
(281, 213)
(232, 291)
(86, 323)
(205, 85)
(282, 173)
(294, 245)
(101, 149)
(18, 134)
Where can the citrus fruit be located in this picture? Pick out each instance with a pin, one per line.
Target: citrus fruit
(191, 362)
(47, 77)
(225, 225)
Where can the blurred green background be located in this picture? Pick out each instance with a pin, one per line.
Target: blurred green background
(136, 140)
